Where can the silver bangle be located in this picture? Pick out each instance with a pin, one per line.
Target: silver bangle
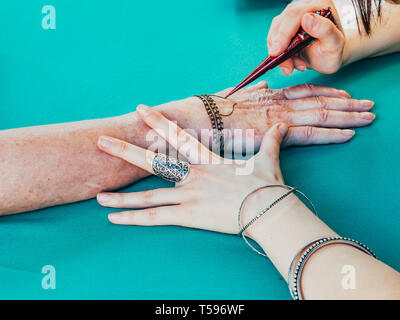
(242, 229)
(263, 210)
(308, 251)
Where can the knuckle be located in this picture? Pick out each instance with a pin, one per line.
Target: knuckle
(285, 92)
(351, 104)
(155, 116)
(119, 199)
(275, 20)
(321, 102)
(194, 174)
(122, 147)
(308, 132)
(291, 8)
(268, 115)
(284, 105)
(152, 213)
(147, 197)
(322, 115)
(308, 86)
(260, 97)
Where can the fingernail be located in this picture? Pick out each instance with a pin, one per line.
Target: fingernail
(282, 127)
(344, 93)
(116, 217)
(104, 197)
(285, 70)
(367, 103)
(311, 21)
(301, 68)
(262, 83)
(349, 133)
(112, 216)
(274, 49)
(143, 109)
(367, 115)
(105, 142)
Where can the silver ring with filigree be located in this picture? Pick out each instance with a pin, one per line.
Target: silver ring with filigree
(169, 168)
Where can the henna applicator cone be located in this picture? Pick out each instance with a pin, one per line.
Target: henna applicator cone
(298, 43)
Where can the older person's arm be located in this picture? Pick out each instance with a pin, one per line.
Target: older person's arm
(56, 164)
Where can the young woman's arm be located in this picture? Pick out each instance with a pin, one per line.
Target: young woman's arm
(210, 196)
(336, 45)
(291, 225)
(55, 164)
(384, 37)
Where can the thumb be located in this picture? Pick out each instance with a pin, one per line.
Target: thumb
(272, 140)
(330, 37)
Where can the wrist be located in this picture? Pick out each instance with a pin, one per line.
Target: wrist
(356, 46)
(286, 227)
(259, 201)
(189, 113)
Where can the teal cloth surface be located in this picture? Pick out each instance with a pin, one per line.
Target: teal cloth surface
(105, 57)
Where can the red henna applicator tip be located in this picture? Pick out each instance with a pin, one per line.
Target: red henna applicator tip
(299, 42)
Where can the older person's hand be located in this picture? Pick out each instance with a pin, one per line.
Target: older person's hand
(313, 113)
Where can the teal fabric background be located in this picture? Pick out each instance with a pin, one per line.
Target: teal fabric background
(103, 59)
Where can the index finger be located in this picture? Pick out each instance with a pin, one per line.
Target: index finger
(135, 155)
(285, 26)
(182, 141)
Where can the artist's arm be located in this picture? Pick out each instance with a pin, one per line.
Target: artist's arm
(337, 271)
(210, 196)
(338, 45)
(56, 164)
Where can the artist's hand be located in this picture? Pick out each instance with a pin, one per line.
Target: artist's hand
(312, 113)
(325, 55)
(204, 199)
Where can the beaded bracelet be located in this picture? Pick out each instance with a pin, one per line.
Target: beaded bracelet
(216, 117)
(242, 229)
(307, 252)
(216, 121)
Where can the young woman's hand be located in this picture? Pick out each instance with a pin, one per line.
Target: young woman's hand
(210, 195)
(312, 113)
(326, 54)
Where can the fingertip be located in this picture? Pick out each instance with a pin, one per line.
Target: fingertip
(301, 68)
(104, 198)
(275, 48)
(367, 104)
(105, 142)
(262, 84)
(99, 140)
(344, 93)
(111, 217)
(286, 70)
(368, 116)
(98, 198)
(282, 128)
(116, 217)
(348, 133)
(143, 109)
